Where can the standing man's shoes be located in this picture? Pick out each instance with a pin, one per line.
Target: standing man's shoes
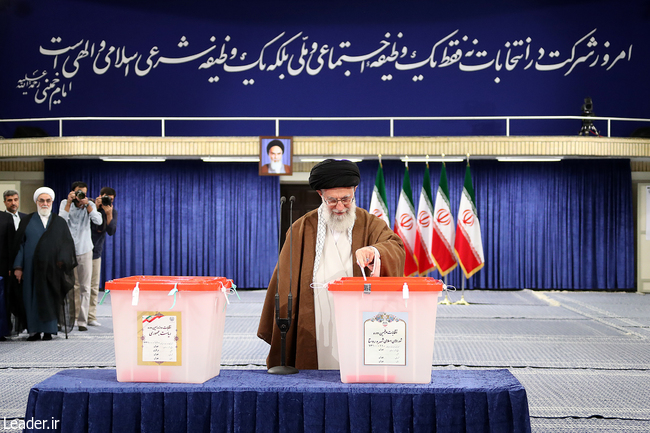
(35, 337)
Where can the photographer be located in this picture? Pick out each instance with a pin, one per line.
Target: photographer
(79, 212)
(98, 233)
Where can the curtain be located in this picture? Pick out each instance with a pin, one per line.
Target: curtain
(182, 217)
(564, 225)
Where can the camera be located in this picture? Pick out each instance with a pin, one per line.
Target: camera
(106, 200)
(80, 194)
(588, 124)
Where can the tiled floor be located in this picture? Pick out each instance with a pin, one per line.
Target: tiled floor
(584, 357)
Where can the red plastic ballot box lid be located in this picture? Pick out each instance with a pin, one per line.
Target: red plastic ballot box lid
(165, 283)
(385, 284)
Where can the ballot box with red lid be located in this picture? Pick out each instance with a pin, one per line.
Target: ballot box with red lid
(168, 329)
(385, 328)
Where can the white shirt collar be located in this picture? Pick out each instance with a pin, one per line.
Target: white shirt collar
(44, 219)
(16, 218)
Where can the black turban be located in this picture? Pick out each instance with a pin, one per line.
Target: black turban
(274, 143)
(333, 173)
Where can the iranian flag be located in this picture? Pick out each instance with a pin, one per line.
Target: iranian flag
(378, 201)
(405, 225)
(468, 245)
(425, 227)
(443, 228)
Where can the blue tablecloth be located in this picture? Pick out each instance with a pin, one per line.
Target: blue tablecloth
(255, 401)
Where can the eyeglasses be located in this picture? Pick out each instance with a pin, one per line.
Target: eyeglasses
(44, 201)
(332, 202)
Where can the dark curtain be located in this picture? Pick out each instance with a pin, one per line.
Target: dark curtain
(564, 225)
(182, 217)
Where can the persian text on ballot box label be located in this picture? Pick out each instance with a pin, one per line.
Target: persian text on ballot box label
(384, 336)
(159, 341)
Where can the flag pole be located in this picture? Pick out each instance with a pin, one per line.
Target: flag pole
(427, 163)
(445, 301)
(462, 296)
(462, 277)
(405, 223)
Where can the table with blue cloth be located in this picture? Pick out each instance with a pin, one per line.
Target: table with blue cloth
(254, 401)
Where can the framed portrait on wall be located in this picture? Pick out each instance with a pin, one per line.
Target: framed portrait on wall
(276, 156)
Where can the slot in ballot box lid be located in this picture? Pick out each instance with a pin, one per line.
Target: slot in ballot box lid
(161, 283)
(385, 284)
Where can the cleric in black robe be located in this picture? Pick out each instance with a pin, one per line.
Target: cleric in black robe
(45, 262)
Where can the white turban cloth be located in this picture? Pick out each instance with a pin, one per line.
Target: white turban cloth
(43, 190)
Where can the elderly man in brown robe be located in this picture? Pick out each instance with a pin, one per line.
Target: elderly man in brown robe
(334, 241)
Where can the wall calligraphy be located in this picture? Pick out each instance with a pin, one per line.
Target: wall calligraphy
(285, 56)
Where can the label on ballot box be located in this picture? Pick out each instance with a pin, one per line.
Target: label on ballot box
(385, 328)
(384, 338)
(160, 338)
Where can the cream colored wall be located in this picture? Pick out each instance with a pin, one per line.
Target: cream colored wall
(25, 182)
(188, 147)
(642, 236)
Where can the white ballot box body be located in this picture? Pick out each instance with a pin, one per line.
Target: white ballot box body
(385, 334)
(168, 329)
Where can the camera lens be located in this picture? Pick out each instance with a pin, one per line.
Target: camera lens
(80, 195)
(106, 201)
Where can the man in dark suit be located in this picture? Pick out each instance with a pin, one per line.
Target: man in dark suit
(12, 290)
(7, 232)
(12, 202)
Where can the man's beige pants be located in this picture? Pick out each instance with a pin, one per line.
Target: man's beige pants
(94, 289)
(81, 291)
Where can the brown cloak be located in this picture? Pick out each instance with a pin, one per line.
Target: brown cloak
(301, 339)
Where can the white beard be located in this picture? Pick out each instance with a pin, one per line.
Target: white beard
(276, 167)
(45, 211)
(340, 222)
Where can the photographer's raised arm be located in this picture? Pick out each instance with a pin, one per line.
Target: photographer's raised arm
(108, 209)
(69, 200)
(64, 207)
(95, 216)
(111, 220)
